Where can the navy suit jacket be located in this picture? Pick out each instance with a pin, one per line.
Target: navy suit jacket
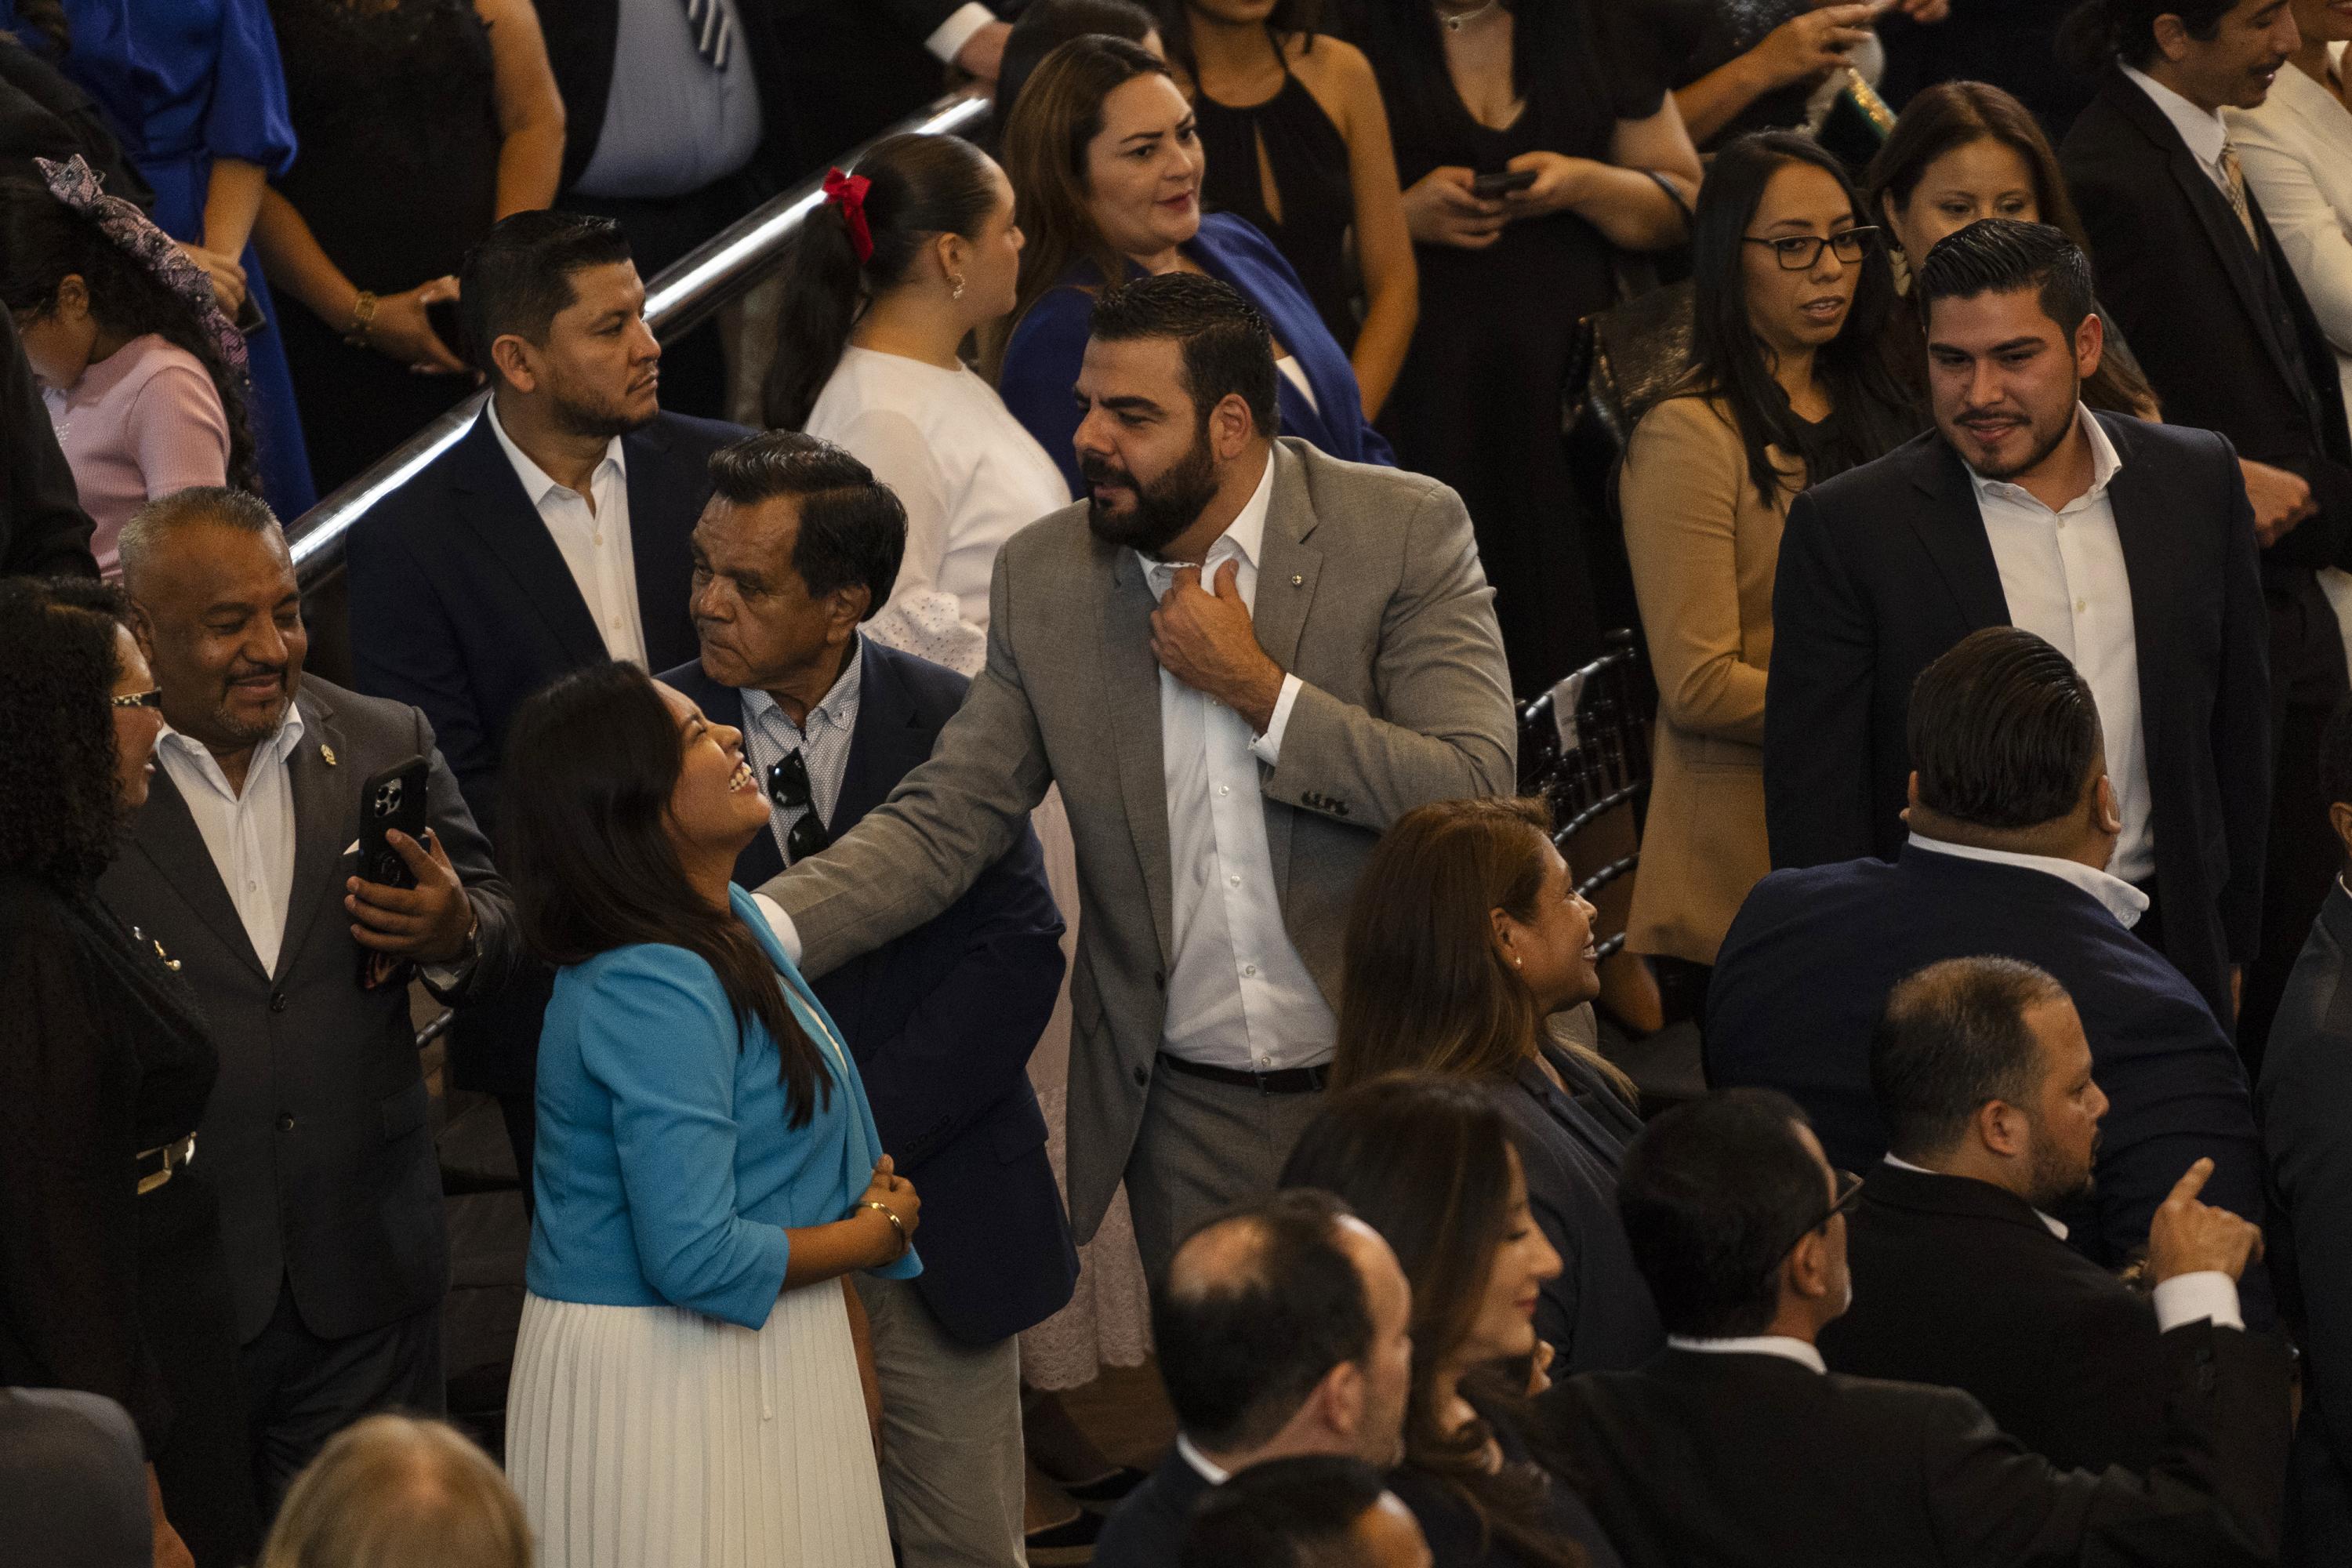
(1804, 973)
(1148, 1529)
(941, 1022)
(461, 605)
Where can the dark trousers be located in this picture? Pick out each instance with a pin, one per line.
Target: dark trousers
(520, 1113)
(662, 230)
(300, 1389)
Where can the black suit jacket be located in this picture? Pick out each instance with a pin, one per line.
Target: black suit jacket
(461, 605)
(1148, 1529)
(1958, 1283)
(941, 1022)
(1703, 1460)
(1885, 567)
(2306, 1085)
(1807, 965)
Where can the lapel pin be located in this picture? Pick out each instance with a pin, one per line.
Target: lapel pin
(329, 754)
(1298, 582)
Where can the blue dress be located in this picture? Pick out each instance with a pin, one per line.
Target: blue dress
(183, 82)
(1041, 362)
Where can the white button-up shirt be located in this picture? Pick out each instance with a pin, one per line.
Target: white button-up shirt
(2203, 131)
(1238, 994)
(593, 533)
(2119, 897)
(822, 739)
(1787, 1347)
(2062, 574)
(249, 833)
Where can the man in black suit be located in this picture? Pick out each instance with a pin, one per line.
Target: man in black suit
(2013, 817)
(1282, 1328)
(1961, 1276)
(2307, 1082)
(553, 535)
(2188, 262)
(798, 546)
(245, 865)
(1736, 1446)
(1312, 1511)
(2127, 546)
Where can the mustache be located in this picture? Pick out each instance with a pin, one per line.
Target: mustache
(1103, 471)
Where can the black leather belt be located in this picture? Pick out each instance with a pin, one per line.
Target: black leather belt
(1287, 1080)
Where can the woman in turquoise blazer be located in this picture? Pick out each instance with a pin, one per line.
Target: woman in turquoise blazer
(686, 1386)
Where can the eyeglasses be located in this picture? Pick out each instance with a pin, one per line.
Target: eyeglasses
(1849, 1192)
(1799, 252)
(150, 698)
(788, 786)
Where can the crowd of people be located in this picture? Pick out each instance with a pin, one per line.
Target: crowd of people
(1027, 851)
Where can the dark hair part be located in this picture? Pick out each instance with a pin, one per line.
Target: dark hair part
(1228, 347)
(1045, 26)
(1258, 1305)
(1712, 1194)
(852, 530)
(2003, 255)
(591, 762)
(198, 506)
(1872, 411)
(1289, 19)
(1298, 1512)
(1953, 1037)
(922, 186)
(1428, 1162)
(44, 241)
(60, 807)
(2098, 31)
(517, 277)
(2003, 730)
(2336, 756)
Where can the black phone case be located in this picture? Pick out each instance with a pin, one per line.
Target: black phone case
(394, 799)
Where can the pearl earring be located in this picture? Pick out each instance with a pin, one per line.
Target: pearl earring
(1517, 962)
(956, 291)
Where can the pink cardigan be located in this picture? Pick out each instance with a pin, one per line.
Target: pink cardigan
(141, 423)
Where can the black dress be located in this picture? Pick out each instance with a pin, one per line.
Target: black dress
(1697, 36)
(397, 176)
(103, 1055)
(1455, 1535)
(1308, 157)
(1478, 402)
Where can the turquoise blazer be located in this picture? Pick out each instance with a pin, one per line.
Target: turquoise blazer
(667, 1172)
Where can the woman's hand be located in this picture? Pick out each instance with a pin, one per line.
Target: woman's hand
(1539, 1368)
(1808, 47)
(227, 277)
(898, 1194)
(1440, 210)
(402, 330)
(1561, 182)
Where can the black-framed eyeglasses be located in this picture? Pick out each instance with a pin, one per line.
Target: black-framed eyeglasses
(150, 698)
(788, 786)
(1849, 1192)
(1799, 252)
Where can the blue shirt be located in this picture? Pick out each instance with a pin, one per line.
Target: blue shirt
(667, 1170)
(1041, 361)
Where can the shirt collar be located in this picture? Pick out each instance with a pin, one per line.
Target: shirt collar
(536, 481)
(837, 707)
(1246, 535)
(2203, 130)
(2105, 462)
(1207, 1470)
(2119, 897)
(275, 748)
(1782, 1345)
(2055, 1226)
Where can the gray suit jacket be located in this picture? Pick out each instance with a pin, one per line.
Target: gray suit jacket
(316, 1139)
(1369, 590)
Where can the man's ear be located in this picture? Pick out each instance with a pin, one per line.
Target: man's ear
(1340, 1399)
(1232, 426)
(2001, 1128)
(2106, 815)
(1805, 1272)
(2172, 38)
(513, 356)
(2090, 346)
(143, 632)
(2339, 817)
(845, 608)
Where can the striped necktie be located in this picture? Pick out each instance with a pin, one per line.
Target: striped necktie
(2233, 174)
(714, 31)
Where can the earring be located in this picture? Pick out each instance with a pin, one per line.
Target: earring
(956, 289)
(1517, 962)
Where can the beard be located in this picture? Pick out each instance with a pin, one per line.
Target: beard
(595, 416)
(2056, 1179)
(2042, 446)
(1163, 509)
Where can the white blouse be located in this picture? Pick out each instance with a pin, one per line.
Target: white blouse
(969, 475)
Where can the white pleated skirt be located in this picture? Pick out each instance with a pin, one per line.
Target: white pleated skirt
(657, 1437)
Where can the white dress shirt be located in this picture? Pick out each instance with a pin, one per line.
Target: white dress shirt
(2203, 130)
(593, 533)
(1239, 996)
(1202, 1466)
(1787, 1347)
(2119, 897)
(249, 833)
(2062, 574)
(822, 739)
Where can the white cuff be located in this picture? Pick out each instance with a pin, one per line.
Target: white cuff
(1268, 748)
(947, 40)
(781, 924)
(2193, 1298)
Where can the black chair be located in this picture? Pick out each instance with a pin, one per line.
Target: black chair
(1584, 750)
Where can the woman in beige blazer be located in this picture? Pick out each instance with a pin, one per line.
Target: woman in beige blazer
(1792, 382)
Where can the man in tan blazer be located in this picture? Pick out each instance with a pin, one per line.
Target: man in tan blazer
(1227, 750)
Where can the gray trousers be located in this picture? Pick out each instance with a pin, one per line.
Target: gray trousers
(951, 1454)
(1203, 1147)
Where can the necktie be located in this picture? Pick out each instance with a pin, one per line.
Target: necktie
(714, 31)
(2233, 174)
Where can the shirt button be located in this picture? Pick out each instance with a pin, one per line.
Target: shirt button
(286, 1123)
(1249, 969)
(1225, 789)
(1234, 879)
(2080, 606)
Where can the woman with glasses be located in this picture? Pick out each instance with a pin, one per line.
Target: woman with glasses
(111, 1275)
(1792, 381)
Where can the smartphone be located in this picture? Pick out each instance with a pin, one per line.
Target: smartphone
(1486, 187)
(443, 318)
(392, 800)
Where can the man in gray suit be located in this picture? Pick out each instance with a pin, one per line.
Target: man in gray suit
(1228, 749)
(242, 866)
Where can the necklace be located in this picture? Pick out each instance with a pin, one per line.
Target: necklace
(1454, 19)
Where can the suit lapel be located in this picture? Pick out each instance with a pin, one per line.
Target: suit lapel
(2139, 513)
(1288, 570)
(887, 742)
(1132, 692)
(326, 807)
(1952, 532)
(664, 505)
(492, 500)
(167, 835)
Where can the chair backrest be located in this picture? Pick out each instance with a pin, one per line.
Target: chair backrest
(1584, 750)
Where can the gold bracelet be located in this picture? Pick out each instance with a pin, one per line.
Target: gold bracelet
(362, 321)
(884, 1210)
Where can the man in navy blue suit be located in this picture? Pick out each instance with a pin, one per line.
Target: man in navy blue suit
(799, 545)
(553, 535)
(2012, 818)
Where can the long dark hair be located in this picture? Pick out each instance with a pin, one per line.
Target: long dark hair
(1427, 1161)
(61, 805)
(922, 185)
(1289, 19)
(1873, 409)
(1954, 114)
(590, 767)
(43, 241)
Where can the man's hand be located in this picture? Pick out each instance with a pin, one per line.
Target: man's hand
(1206, 641)
(2280, 500)
(429, 922)
(982, 54)
(2190, 1237)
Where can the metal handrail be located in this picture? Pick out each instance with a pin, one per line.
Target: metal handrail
(686, 293)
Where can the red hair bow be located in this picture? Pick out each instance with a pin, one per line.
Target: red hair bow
(847, 192)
